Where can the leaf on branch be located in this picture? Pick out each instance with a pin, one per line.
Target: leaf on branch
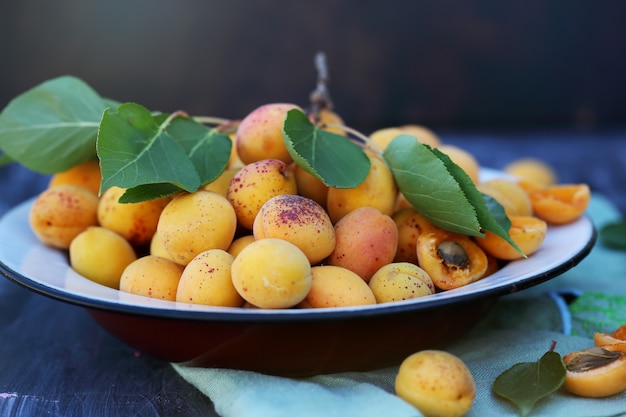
(333, 159)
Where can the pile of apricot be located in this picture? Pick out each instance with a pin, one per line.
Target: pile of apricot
(267, 234)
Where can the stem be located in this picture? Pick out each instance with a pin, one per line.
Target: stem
(320, 97)
(210, 120)
(364, 140)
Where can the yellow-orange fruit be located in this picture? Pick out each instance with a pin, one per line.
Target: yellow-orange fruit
(60, 213)
(528, 233)
(86, 174)
(596, 372)
(561, 203)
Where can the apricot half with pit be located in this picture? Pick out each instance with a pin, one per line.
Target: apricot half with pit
(596, 372)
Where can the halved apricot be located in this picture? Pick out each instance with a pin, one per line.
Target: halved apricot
(452, 260)
(596, 372)
(560, 204)
(528, 233)
(618, 336)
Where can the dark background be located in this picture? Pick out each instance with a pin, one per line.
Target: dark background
(442, 63)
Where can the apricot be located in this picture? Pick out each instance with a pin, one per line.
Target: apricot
(60, 213)
(532, 171)
(310, 186)
(560, 203)
(260, 134)
(378, 190)
(239, 243)
(596, 372)
(528, 233)
(220, 184)
(382, 137)
(335, 286)
(618, 336)
(366, 240)
(298, 220)
(86, 174)
(206, 280)
(136, 222)
(101, 255)
(272, 273)
(152, 276)
(451, 260)
(400, 281)
(256, 183)
(410, 224)
(158, 249)
(330, 121)
(513, 198)
(437, 383)
(422, 134)
(195, 222)
(464, 159)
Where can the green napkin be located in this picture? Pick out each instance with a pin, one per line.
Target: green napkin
(520, 328)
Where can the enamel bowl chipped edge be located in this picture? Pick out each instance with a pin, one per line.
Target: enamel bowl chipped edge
(294, 342)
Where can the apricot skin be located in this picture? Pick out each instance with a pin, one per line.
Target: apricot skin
(152, 276)
(298, 220)
(378, 190)
(562, 203)
(400, 281)
(60, 213)
(193, 223)
(366, 241)
(272, 273)
(437, 383)
(256, 183)
(260, 134)
(101, 255)
(334, 286)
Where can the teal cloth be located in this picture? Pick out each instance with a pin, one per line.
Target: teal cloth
(520, 328)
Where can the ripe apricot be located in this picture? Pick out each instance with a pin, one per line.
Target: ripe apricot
(450, 259)
(378, 190)
(298, 220)
(596, 372)
(513, 198)
(463, 159)
(560, 203)
(410, 224)
(272, 273)
(437, 383)
(400, 281)
(528, 233)
(60, 213)
(329, 120)
(220, 184)
(366, 240)
(532, 171)
(136, 222)
(195, 222)
(618, 336)
(335, 286)
(152, 276)
(260, 134)
(86, 174)
(256, 183)
(101, 255)
(206, 280)
(310, 186)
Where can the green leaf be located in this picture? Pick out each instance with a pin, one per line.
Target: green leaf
(526, 383)
(208, 149)
(333, 159)
(490, 213)
(135, 150)
(426, 182)
(613, 235)
(53, 126)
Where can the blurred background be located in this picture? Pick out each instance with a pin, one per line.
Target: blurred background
(442, 63)
(503, 69)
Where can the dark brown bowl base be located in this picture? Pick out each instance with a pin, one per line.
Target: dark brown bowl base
(297, 347)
